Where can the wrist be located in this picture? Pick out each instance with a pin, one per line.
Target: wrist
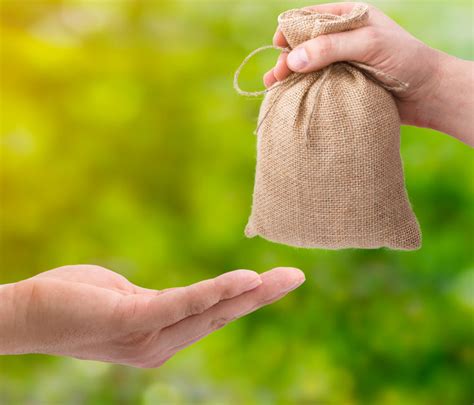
(447, 102)
(13, 318)
(433, 98)
(423, 102)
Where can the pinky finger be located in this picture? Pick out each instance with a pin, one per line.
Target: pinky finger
(269, 78)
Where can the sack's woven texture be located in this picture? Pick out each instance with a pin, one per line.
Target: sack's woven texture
(329, 173)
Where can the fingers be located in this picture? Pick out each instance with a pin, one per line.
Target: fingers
(281, 69)
(280, 72)
(332, 8)
(275, 284)
(279, 39)
(317, 53)
(320, 52)
(269, 78)
(166, 309)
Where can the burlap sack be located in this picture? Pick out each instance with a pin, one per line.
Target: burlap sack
(329, 172)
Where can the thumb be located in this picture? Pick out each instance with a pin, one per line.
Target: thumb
(357, 45)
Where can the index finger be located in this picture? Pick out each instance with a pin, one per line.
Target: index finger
(329, 8)
(332, 8)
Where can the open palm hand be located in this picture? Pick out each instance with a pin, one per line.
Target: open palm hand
(90, 312)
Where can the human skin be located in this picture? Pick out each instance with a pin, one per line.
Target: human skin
(89, 312)
(441, 87)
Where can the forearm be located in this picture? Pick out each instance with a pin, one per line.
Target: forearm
(450, 107)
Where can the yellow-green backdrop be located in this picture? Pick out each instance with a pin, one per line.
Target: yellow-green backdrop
(123, 144)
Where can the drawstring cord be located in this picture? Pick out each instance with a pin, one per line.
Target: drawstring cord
(294, 78)
(244, 62)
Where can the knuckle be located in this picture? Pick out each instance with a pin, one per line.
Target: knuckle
(373, 40)
(220, 289)
(216, 286)
(371, 33)
(195, 306)
(325, 45)
(198, 300)
(279, 74)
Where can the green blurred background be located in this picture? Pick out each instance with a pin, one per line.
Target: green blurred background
(123, 144)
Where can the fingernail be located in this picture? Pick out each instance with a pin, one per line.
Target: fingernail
(297, 59)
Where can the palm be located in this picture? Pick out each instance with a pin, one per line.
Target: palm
(82, 302)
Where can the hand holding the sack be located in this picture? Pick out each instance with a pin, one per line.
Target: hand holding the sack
(440, 89)
(329, 173)
(89, 312)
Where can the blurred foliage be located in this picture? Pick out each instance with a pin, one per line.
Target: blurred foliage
(123, 144)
